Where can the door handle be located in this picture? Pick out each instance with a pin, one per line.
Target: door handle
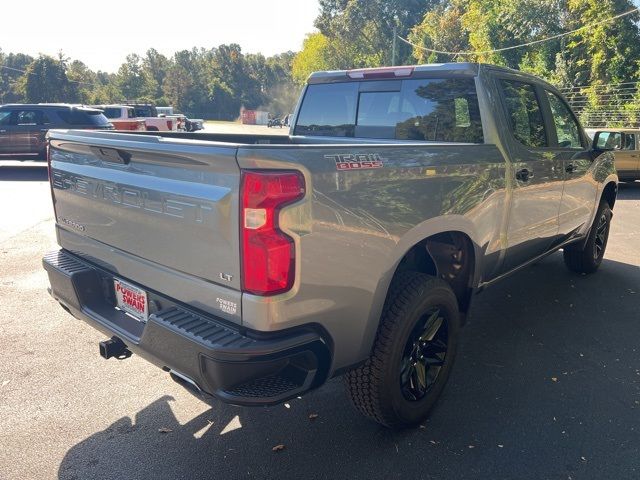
(524, 175)
(570, 168)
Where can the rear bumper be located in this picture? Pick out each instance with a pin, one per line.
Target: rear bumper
(239, 366)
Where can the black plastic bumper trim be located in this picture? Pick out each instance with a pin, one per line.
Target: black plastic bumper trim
(239, 366)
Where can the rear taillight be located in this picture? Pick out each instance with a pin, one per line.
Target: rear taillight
(268, 254)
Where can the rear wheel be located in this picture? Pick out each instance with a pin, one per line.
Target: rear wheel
(412, 355)
(588, 258)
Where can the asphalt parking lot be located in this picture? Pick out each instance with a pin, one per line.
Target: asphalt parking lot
(547, 384)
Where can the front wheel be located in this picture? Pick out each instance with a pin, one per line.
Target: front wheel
(588, 258)
(412, 355)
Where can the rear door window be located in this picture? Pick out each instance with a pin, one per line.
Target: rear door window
(629, 141)
(524, 113)
(440, 110)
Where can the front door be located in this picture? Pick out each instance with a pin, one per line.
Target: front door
(535, 174)
(27, 130)
(572, 148)
(628, 157)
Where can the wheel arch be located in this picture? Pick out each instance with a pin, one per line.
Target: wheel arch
(424, 249)
(610, 193)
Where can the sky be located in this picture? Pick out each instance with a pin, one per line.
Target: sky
(102, 33)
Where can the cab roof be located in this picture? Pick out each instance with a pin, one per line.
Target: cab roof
(408, 71)
(46, 106)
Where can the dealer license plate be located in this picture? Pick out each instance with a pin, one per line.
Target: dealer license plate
(131, 300)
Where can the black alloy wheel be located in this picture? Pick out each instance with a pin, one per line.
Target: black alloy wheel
(424, 355)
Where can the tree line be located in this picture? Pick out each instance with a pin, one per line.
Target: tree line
(601, 62)
(217, 82)
(210, 83)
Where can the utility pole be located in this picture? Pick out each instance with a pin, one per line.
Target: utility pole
(393, 48)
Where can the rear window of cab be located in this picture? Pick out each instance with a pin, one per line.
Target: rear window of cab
(441, 110)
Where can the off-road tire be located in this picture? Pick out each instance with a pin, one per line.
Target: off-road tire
(375, 387)
(582, 258)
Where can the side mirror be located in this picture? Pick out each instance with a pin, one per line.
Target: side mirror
(608, 141)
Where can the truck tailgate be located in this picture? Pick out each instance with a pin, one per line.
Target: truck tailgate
(170, 202)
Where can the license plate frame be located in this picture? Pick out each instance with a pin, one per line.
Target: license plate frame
(131, 300)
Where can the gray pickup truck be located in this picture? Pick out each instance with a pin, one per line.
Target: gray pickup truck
(254, 268)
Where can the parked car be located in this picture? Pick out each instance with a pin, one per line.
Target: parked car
(122, 117)
(189, 124)
(153, 123)
(195, 124)
(626, 146)
(23, 127)
(256, 267)
(182, 120)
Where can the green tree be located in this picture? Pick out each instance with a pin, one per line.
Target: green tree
(83, 82)
(131, 80)
(313, 57)
(11, 83)
(45, 80)
(155, 67)
(362, 30)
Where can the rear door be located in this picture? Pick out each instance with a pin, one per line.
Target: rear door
(536, 176)
(28, 130)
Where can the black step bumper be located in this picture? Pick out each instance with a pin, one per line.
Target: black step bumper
(239, 366)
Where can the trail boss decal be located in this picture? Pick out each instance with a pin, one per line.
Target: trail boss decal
(357, 161)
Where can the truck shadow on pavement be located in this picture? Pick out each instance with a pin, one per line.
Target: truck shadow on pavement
(31, 172)
(547, 385)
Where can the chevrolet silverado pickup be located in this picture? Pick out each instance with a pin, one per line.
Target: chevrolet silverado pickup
(253, 268)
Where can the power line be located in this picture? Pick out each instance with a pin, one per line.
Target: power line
(534, 42)
(606, 86)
